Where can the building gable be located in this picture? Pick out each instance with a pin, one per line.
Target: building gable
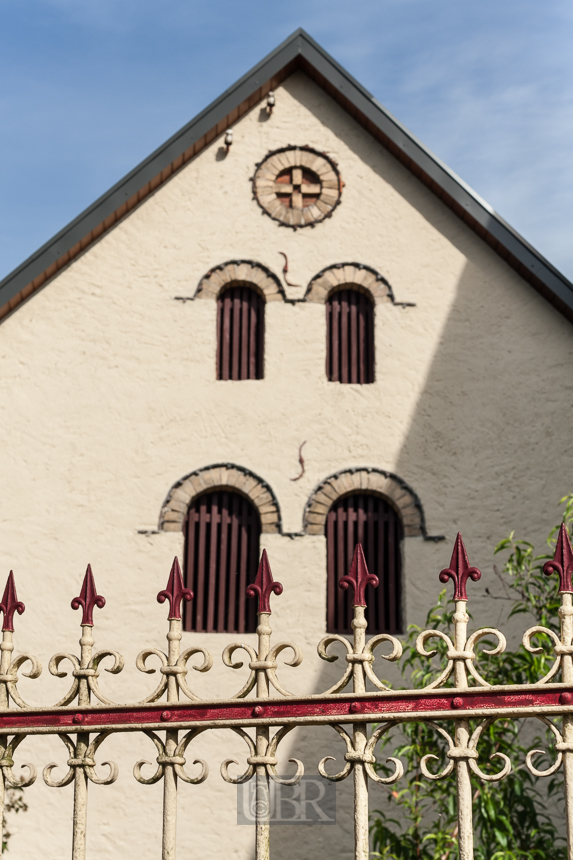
(299, 51)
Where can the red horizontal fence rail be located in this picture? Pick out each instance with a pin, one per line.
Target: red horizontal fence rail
(318, 710)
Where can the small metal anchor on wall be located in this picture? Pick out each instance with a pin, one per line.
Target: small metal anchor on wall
(301, 461)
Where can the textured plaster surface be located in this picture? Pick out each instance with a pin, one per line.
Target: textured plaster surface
(108, 397)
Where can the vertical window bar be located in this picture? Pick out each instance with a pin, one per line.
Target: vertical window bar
(219, 365)
(235, 361)
(353, 342)
(344, 315)
(224, 584)
(370, 546)
(253, 344)
(226, 337)
(369, 340)
(259, 339)
(340, 565)
(246, 341)
(233, 562)
(331, 571)
(190, 532)
(398, 535)
(253, 563)
(350, 544)
(335, 339)
(213, 567)
(364, 350)
(392, 620)
(242, 578)
(382, 569)
(329, 341)
(201, 564)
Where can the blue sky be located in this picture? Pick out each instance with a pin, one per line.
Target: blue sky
(90, 87)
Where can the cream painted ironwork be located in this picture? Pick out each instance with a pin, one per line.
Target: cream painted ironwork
(173, 715)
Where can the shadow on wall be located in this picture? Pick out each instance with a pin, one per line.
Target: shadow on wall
(488, 448)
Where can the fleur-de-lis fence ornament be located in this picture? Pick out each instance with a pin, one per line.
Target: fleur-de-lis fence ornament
(562, 565)
(171, 752)
(81, 763)
(562, 646)
(462, 752)
(359, 755)
(262, 761)
(360, 653)
(9, 668)
(460, 654)
(8, 690)
(173, 664)
(263, 662)
(85, 670)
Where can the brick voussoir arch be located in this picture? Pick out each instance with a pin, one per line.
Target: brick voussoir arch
(367, 480)
(220, 476)
(239, 272)
(341, 275)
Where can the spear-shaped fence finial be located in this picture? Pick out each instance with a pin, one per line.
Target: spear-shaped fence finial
(562, 562)
(88, 599)
(10, 603)
(264, 585)
(460, 570)
(359, 577)
(175, 592)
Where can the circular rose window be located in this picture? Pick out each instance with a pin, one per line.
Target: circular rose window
(297, 186)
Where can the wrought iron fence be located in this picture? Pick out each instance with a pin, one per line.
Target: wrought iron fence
(172, 716)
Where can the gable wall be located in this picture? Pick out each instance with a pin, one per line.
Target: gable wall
(108, 396)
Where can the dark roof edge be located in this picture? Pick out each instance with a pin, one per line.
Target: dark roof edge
(147, 170)
(299, 47)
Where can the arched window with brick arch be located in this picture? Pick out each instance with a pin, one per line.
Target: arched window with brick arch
(350, 337)
(372, 521)
(222, 531)
(240, 333)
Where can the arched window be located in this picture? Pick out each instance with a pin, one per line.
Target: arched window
(240, 333)
(350, 337)
(373, 522)
(222, 531)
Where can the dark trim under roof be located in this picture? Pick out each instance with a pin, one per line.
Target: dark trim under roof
(299, 51)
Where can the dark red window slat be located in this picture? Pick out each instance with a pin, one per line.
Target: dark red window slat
(222, 532)
(350, 337)
(240, 334)
(373, 522)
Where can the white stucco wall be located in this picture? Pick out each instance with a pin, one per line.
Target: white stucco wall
(108, 396)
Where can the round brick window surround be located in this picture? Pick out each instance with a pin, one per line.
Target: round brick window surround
(297, 186)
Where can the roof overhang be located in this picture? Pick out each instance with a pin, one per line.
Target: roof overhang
(299, 51)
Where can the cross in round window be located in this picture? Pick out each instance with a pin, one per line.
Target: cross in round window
(297, 188)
